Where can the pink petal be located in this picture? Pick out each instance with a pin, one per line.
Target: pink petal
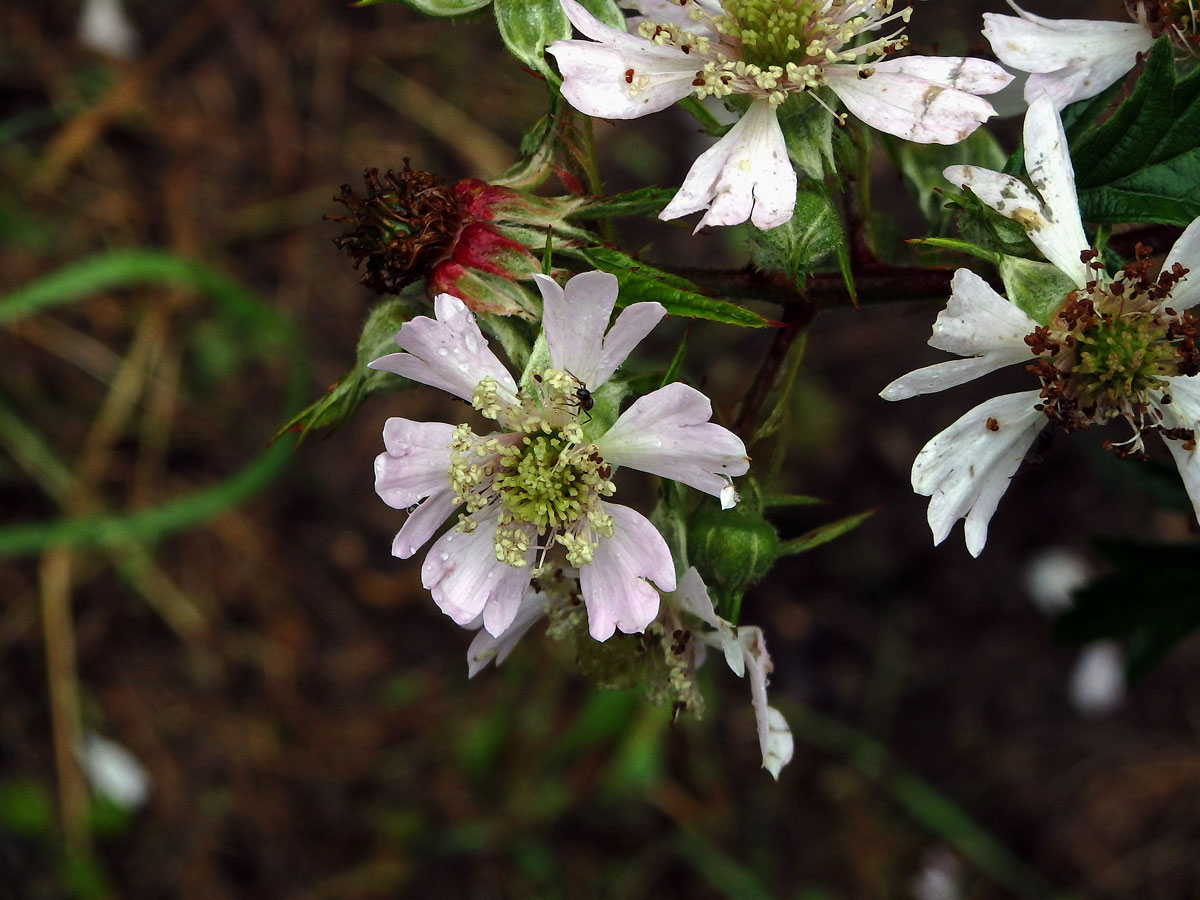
(692, 594)
(745, 175)
(416, 461)
(465, 578)
(449, 352)
(486, 648)
(668, 433)
(422, 522)
(614, 585)
(774, 737)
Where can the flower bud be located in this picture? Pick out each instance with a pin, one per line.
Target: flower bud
(732, 549)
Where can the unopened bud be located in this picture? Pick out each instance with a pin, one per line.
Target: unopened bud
(732, 549)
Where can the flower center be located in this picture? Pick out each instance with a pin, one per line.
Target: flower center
(1177, 20)
(1108, 352)
(770, 48)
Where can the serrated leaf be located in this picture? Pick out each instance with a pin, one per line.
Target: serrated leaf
(1143, 164)
(639, 282)
(440, 8)
(822, 534)
(527, 26)
(1037, 288)
(347, 394)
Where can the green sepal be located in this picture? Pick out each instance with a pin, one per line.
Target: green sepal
(440, 8)
(535, 153)
(808, 133)
(983, 253)
(527, 26)
(639, 202)
(732, 549)
(639, 282)
(982, 226)
(606, 11)
(822, 534)
(812, 233)
(1037, 288)
(347, 394)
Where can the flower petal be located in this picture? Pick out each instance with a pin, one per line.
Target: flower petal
(1035, 44)
(692, 594)
(1184, 412)
(774, 736)
(744, 175)
(614, 585)
(422, 522)
(1186, 252)
(1048, 161)
(448, 352)
(977, 323)
(668, 433)
(575, 319)
(416, 461)
(486, 648)
(962, 73)
(896, 100)
(617, 75)
(965, 469)
(465, 578)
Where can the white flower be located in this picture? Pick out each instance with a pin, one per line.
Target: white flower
(767, 50)
(533, 495)
(1120, 348)
(746, 654)
(1071, 59)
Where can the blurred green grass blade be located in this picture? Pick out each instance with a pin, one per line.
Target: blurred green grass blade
(135, 268)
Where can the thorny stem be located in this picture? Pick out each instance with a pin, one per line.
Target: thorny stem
(796, 320)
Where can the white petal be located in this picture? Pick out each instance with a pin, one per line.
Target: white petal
(449, 352)
(668, 433)
(113, 772)
(622, 83)
(965, 469)
(774, 736)
(1186, 252)
(1184, 412)
(633, 323)
(907, 105)
(977, 323)
(465, 578)
(692, 594)
(963, 73)
(1073, 83)
(1034, 44)
(422, 522)
(745, 175)
(1048, 161)
(486, 648)
(614, 585)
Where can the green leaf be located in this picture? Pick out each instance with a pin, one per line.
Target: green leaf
(639, 202)
(639, 282)
(1143, 164)
(773, 500)
(822, 534)
(1038, 288)
(922, 166)
(343, 398)
(441, 8)
(607, 11)
(527, 26)
(813, 232)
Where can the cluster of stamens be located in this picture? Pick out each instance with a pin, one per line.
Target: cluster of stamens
(1175, 18)
(405, 225)
(768, 48)
(1109, 349)
(546, 478)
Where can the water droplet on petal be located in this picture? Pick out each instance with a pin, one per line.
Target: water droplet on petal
(445, 556)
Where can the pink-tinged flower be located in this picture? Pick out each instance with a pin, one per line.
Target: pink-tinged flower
(533, 496)
(767, 50)
(1120, 348)
(745, 652)
(1073, 59)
